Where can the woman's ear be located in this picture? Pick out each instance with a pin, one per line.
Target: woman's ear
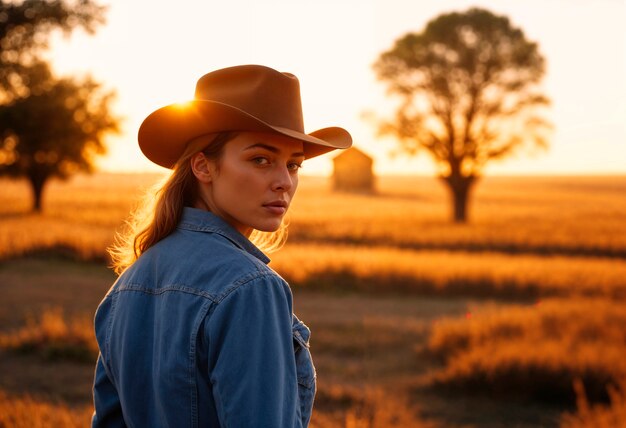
(201, 167)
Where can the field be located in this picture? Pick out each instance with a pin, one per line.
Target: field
(513, 320)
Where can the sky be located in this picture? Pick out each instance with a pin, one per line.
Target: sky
(152, 52)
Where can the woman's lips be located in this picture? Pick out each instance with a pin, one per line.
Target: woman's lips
(276, 207)
(276, 210)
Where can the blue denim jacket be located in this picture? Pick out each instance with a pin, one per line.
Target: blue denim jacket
(199, 332)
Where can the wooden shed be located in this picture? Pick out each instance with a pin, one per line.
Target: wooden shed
(352, 171)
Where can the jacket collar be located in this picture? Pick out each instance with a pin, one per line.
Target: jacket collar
(205, 221)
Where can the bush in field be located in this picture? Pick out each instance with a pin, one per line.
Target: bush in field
(53, 338)
(25, 412)
(536, 352)
(349, 407)
(598, 416)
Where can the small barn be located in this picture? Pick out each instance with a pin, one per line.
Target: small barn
(353, 172)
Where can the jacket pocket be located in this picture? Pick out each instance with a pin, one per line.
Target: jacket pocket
(305, 369)
(304, 362)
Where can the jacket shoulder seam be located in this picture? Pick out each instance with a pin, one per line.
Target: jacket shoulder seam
(169, 288)
(243, 281)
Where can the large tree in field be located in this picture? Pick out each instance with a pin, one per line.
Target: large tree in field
(469, 91)
(49, 126)
(55, 131)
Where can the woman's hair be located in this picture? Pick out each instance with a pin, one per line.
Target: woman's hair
(162, 207)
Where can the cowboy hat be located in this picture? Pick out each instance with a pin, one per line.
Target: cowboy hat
(240, 98)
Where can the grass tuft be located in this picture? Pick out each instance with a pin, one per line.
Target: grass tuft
(52, 337)
(536, 352)
(26, 412)
(598, 416)
(347, 407)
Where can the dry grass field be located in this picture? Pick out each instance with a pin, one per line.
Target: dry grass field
(544, 216)
(564, 215)
(513, 320)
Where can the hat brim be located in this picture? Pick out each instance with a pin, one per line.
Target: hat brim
(164, 134)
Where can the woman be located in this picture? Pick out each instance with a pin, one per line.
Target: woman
(198, 331)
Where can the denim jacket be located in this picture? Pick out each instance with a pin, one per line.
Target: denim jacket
(199, 332)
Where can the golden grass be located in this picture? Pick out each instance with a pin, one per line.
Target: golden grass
(598, 416)
(27, 412)
(383, 269)
(372, 408)
(400, 239)
(53, 337)
(536, 351)
(570, 216)
(33, 233)
(79, 219)
(522, 217)
(349, 407)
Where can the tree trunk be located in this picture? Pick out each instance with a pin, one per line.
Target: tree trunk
(37, 183)
(460, 188)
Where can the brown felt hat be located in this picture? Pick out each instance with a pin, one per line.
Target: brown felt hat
(241, 98)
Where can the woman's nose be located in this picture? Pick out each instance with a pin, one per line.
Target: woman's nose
(282, 180)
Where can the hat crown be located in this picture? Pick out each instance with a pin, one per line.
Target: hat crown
(270, 95)
(251, 98)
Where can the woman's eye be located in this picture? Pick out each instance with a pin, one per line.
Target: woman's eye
(261, 161)
(294, 166)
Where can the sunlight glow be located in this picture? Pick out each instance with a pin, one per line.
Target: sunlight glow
(183, 105)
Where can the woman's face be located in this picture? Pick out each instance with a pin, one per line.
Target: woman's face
(252, 184)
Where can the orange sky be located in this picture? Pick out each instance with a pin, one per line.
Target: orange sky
(152, 53)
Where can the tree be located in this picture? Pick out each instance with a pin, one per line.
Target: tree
(24, 29)
(468, 85)
(55, 131)
(49, 127)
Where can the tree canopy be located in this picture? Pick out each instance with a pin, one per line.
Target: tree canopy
(25, 28)
(469, 93)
